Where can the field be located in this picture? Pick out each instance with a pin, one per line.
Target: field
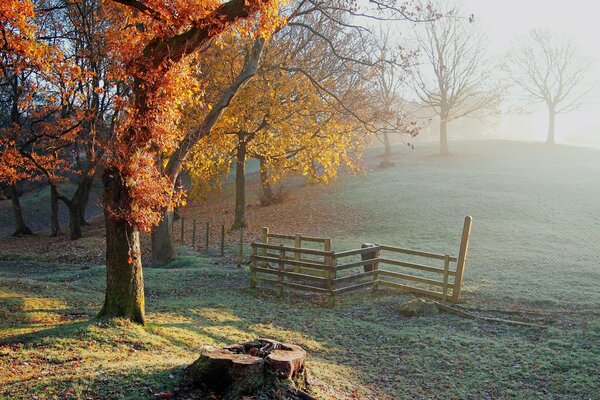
(534, 257)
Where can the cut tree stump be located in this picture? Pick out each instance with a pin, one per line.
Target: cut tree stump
(260, 366)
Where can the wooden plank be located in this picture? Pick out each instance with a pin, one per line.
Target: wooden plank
(314, 239)
(292, 249)
(415, 266)
(413, 278)
(462, 258)
(410, 288)
(289, 274)
(354, 252)
(357, 263)
(416, 253)
(355, 276)
(292, 237)
(354, 287)
(280, 236)
(306, 287)
(292, 262)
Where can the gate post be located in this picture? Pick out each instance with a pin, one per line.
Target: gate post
(462, 258)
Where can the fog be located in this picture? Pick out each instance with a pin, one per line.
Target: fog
(503, 25)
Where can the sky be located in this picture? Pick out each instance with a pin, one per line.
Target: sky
(504, 21)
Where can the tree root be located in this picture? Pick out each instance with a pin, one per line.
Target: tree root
(464, 314)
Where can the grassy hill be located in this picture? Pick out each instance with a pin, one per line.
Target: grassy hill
(534, 256)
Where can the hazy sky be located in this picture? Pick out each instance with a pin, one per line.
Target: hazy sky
(505, 19)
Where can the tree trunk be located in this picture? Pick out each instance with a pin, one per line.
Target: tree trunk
(163, 248)
(240, 186)
(551, 119)
(86, 186)
(124, 279)
(444, 150)
(54, 223)
(387, 152)
(21, 227)
(267, 190)
(74, 219)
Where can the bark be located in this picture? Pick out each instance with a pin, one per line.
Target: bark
(444, 136)
(163, 248)
(86, 187)
(193, 136)
(76, 206)
(124, 279)
(267, 190)
(551, 119)
(240, 185)
(54, 223)
(21, 226)
(387, 152)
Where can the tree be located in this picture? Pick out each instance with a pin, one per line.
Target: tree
(389, 85)
(153, 48)
(334, 14)
(453, 82)
(549, 68)
(39, 85)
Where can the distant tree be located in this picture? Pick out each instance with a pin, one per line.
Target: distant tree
(453, 81)
(390, 83)
(549, 68)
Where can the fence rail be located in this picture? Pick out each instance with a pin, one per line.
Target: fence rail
(317, 270)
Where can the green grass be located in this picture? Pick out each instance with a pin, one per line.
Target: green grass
(534, 253)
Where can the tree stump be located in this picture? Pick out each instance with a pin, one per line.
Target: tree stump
(259, 366)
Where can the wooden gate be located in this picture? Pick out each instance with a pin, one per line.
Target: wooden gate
(324, 271)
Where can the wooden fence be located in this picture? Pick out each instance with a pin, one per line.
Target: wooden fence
(324, 271)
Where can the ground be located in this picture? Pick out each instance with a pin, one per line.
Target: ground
(534, 257)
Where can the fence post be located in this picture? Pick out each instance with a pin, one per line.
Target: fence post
(241, 249)
(376, 271)
(182, 229)
(280, 276)
(194, 233)
(297, 245)
(462, 257)
(264, 238)
(446, 271)
(330, 280)
(207, 236)
(327, 247)
(252, 266)
(222, 240)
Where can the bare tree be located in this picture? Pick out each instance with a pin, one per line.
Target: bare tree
(389, 84)
(453, 80)
(549, 68)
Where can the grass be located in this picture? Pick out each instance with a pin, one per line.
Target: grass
(534, 256)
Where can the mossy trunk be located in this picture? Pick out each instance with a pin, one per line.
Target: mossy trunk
(21, 227)
(54, 223)
(240, 186)
(265, 185)
(124, 279)
(163, 248)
